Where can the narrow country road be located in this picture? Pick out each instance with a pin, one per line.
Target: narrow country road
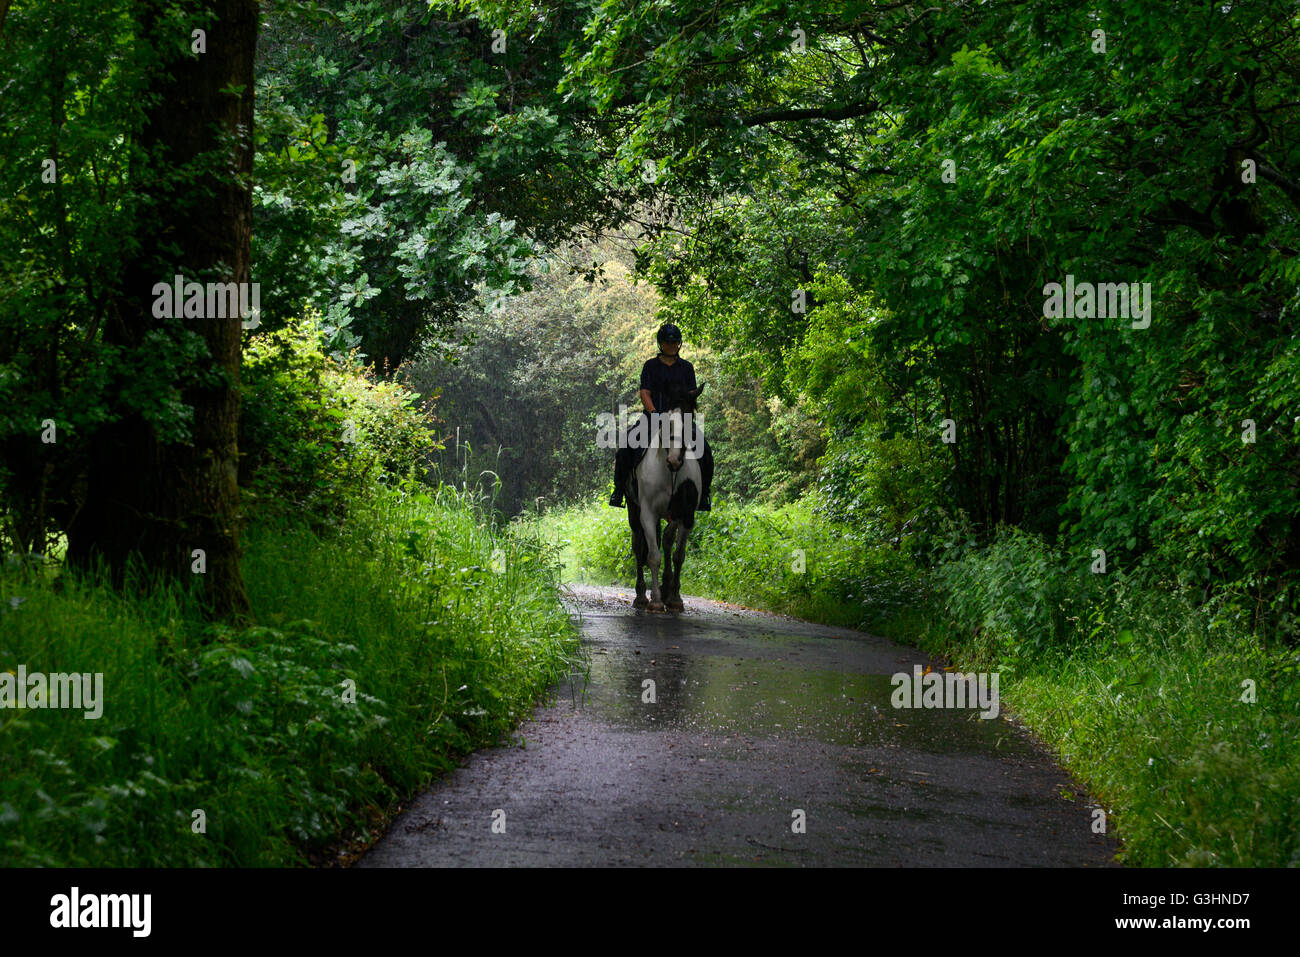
(755, 718)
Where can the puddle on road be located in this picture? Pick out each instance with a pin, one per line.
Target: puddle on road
(736, 681)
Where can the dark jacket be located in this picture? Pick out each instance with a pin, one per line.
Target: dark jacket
(657, 376)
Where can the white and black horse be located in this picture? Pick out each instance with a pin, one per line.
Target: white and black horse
(665, 485)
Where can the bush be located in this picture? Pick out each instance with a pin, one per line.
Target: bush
(316, 435)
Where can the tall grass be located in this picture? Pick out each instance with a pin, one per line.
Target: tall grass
(414, 633)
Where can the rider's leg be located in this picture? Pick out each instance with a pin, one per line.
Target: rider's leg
(623, 460)
(620, 476)
(706, 475)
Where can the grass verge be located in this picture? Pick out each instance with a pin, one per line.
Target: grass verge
(382, 652)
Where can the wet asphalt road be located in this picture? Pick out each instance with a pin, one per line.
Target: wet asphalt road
(756, 717)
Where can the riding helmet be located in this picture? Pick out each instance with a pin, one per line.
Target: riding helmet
(669, 333)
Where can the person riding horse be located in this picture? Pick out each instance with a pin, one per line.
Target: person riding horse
(665, 371)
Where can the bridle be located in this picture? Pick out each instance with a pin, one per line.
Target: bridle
(678, 468)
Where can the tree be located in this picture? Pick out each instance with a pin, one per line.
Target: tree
(165, 491)
(411, 161)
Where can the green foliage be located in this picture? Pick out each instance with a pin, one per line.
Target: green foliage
(921, 177)
(255, 725)
(765, 448)
(405, 167)
(319, 436)
(522, 388)
(69, 113)
(882, 471)
(1019, 599)
(784, 558)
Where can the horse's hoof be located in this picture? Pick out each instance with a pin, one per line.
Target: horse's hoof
(640, 601)
(656, 606)
(676, 606)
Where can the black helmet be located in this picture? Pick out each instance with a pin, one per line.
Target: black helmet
(669, 333)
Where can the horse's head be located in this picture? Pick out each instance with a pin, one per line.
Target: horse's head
(680, 411)
(683, 399)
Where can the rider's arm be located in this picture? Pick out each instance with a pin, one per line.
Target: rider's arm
(648, 377)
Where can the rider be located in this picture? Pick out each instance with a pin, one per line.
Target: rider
(664, 371)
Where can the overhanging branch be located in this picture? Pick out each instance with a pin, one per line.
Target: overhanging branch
(842, 112)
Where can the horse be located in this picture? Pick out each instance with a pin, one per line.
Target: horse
(665, 484)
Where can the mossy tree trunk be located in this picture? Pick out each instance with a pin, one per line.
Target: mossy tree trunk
(155, 495)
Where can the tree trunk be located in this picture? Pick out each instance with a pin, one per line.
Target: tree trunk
(152, 497)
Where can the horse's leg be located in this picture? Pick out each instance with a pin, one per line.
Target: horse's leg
(640, 601)
(650, 530)
(682, 506)
(678, 546)
(666, 550)
(670, 538)
(639, 553)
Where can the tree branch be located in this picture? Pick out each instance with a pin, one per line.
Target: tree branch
(1289, 187)
(842, 112)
